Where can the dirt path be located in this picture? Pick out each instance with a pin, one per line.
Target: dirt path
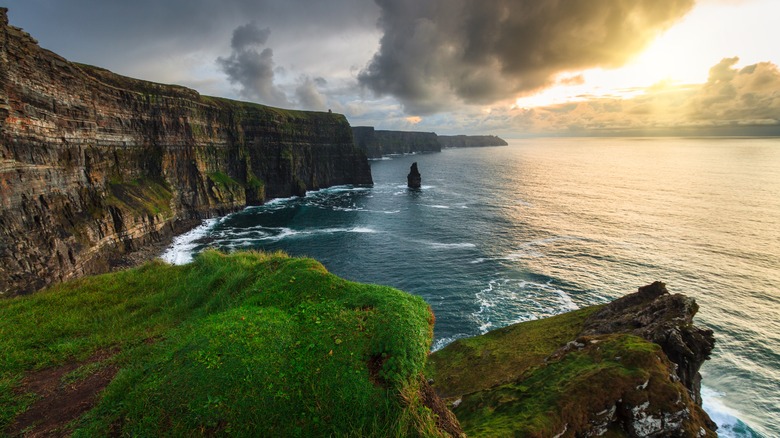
(61, 402)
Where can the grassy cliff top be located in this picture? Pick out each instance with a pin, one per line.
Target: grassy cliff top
(248, 343)
(543, 378)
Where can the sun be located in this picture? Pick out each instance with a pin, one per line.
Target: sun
(682, 55)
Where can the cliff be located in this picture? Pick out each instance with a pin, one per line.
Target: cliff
(470, 141)
(247, 344)
(94, 165)
(377, 143)
(629, 368)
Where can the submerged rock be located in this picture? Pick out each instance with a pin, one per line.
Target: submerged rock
(414, 179)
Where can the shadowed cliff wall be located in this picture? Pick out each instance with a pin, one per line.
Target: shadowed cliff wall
(377, 143)
(470, 141)
(94, 165)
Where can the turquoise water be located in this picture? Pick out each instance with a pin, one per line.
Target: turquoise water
(507, 234)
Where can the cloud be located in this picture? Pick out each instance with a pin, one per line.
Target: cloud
(308, 95)
(732, 95)
(435, 53)
(252, 70)
(248, 35)
(742, 100)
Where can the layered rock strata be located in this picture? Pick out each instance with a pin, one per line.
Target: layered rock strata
(94, 165)
(378, 143)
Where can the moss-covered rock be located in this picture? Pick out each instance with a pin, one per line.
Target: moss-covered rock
(554, 377)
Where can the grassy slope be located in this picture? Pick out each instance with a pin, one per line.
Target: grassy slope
(241, 343)
(502, 355)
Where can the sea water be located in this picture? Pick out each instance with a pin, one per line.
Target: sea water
(501, 235)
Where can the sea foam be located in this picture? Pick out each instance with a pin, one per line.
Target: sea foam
(180, 251)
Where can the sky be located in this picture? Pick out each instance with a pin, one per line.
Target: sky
(514, 68)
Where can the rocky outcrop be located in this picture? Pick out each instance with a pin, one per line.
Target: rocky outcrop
(378, 143)
(665, 319)
(414, 179)
(93, 164)
(629, 368)
(470, 141)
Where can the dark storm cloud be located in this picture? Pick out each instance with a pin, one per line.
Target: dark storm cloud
(251, 69)
(249, 34)
(434, 51)
(120, 35)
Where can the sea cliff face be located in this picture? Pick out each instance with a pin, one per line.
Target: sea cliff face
(94, 165)
(470, 141)
(378, 143)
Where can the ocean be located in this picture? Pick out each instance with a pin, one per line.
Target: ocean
(500, 235)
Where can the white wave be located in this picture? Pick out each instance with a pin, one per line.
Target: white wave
(383, 211)
(533, 248)
(341, 230)
(276, 201)
(180, 251)
(566, 302)
(380, 159)
(438, 245)
(729, 426)
(508, 301)
(440, 343)
(346, 208)
(438, 206)
(339, 189)
(475, 261)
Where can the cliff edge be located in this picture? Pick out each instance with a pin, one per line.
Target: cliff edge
(628, 368)
(94, 165)
(246, 344)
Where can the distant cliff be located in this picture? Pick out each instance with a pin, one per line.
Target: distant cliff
(470, 141)
(93, 164)
(378, 143)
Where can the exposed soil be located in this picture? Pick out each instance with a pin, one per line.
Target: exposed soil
(59, 403)
(375, 363)
(445, 420)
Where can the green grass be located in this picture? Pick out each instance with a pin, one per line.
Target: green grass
(141, 196)
(223, 180)
(247, 344)
(569, 391)
(527, 380)
(502, 355)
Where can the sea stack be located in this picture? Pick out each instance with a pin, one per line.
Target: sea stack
(414, 180)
